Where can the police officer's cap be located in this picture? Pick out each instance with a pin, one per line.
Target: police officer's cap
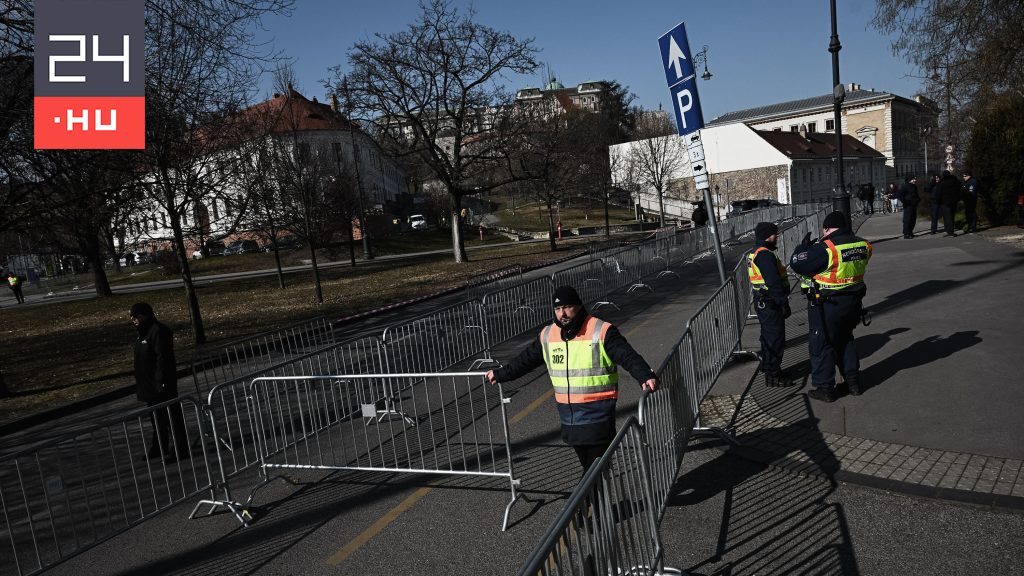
(765, 229)
(835, 220)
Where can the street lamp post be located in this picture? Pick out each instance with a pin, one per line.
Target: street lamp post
(924, 133)
(841, 199)
(702, 58)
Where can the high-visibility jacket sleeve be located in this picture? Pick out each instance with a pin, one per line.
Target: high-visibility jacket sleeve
(809, 260)
(620, 351)
(531, 357)
(777, 289)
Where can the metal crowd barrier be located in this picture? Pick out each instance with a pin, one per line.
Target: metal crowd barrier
(438, 340)
(248, 355)
(439, 423)
(69, 494)
(479, 285)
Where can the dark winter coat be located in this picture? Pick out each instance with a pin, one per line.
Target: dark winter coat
(950, 189)
(908, 195)
(155, 367)
(590, 422)
(775, 284)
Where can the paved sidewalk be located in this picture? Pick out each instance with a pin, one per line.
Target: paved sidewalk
(940, 415)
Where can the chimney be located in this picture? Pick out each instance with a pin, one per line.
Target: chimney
(803, 131)
(853, 87)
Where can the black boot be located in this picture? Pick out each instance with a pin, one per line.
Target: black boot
(853, 384)
(773, 380)
(822, 394)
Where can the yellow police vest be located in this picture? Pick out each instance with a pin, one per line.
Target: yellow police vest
(754, 273)
(580, 369)
(12, 280)
(846, 265)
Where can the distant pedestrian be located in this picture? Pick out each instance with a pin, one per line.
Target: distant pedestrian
(871, 197)
(836, 264)
(700, 215)
(582, 354)
(910, 200)
(950, 190)
(970, 202)
(894, 197)
(156, 381)
(770, 286)
(14, 282)
(934, 201)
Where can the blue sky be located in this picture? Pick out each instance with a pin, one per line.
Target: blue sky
(760, 51)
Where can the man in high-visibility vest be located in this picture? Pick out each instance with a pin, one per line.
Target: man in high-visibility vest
(582, 354)
(836, 263)
(770, 287)
(14, 283)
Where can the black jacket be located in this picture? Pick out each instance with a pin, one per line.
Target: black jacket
(774, 283)
(950, 189)
(810, 259)
(156, 379)
(908, 195)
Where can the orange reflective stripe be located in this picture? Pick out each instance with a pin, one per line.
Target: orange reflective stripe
(590, 397)
(833, 264)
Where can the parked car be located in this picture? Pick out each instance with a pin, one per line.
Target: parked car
(418, 222)
(213, 248)
(289, 242)
(740, 206)
(241, 247)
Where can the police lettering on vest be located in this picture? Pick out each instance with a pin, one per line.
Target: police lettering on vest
(580, 369)
(846, 265)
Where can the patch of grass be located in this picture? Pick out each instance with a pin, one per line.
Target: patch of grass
(532, 216)
(66, 350)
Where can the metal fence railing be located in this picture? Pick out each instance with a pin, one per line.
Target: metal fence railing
(62, 497)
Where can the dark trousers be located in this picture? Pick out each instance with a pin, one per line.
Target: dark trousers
(971, 212)
(18, 294)
(947, 218)
(831, 341)
(168, 430)
(589, 453)
(773, 337)
(909, 219)
(936, 210)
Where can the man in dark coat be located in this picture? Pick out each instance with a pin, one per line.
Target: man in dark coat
(578, 343)
(910, 200)
(836, 263)
(970, 202)
(934, 200)
(949, 191)
(156, 381)
(770, 287)
(870, 190)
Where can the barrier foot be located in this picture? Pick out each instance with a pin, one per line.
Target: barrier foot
(638, 286)
(715, 432)
(606, 303)
(240, 512)
(666, 273)
(745, 355)
(481, 362)
(508, 510)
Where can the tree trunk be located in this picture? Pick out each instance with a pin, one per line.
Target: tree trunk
(191, 298)
(99, 276)
(661, 207)
(112, 249)
(607, 223)
(551, 228)
(458, 242)
(277, 262)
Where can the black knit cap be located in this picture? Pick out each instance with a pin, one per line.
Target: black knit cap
(141, 309)
(765, 229)
(567, 296)
(835, 220)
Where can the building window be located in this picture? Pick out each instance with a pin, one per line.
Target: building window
(812, 127)
(830, 125)
(777, 129)
(794, 127)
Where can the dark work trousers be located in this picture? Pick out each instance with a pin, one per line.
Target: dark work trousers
(773, 337)
(831, 342)
(589, 453)
(971, 212)
(909, 219)
(163, 420)
(936, 210)
(947, 218)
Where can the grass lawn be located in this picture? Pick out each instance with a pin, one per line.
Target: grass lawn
(67, 350)
(533, 217)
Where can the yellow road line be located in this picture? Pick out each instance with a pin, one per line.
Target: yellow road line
(377, 527)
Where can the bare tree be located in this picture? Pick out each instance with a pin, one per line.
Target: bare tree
(657, 157)
(433, 87)
(201, 59)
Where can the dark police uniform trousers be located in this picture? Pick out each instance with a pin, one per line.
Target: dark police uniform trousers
(773, 336)
(831, 321)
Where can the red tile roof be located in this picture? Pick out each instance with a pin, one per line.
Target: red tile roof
(816, 145)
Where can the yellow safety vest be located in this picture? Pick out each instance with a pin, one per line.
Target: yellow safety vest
(846, 265)
(12, 280)
(754, 273)
(580, 369)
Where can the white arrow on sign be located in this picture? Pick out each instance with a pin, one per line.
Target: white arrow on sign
(675, 57)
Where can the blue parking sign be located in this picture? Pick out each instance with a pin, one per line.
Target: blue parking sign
(686, 104)
(675, 55)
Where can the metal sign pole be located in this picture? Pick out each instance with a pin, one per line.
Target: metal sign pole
(714, 232)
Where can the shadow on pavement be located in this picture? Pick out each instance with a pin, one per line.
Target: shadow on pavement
(919, 353)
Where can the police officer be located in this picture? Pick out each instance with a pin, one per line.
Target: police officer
(836, 264)
(581, 353)
(770, 287)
